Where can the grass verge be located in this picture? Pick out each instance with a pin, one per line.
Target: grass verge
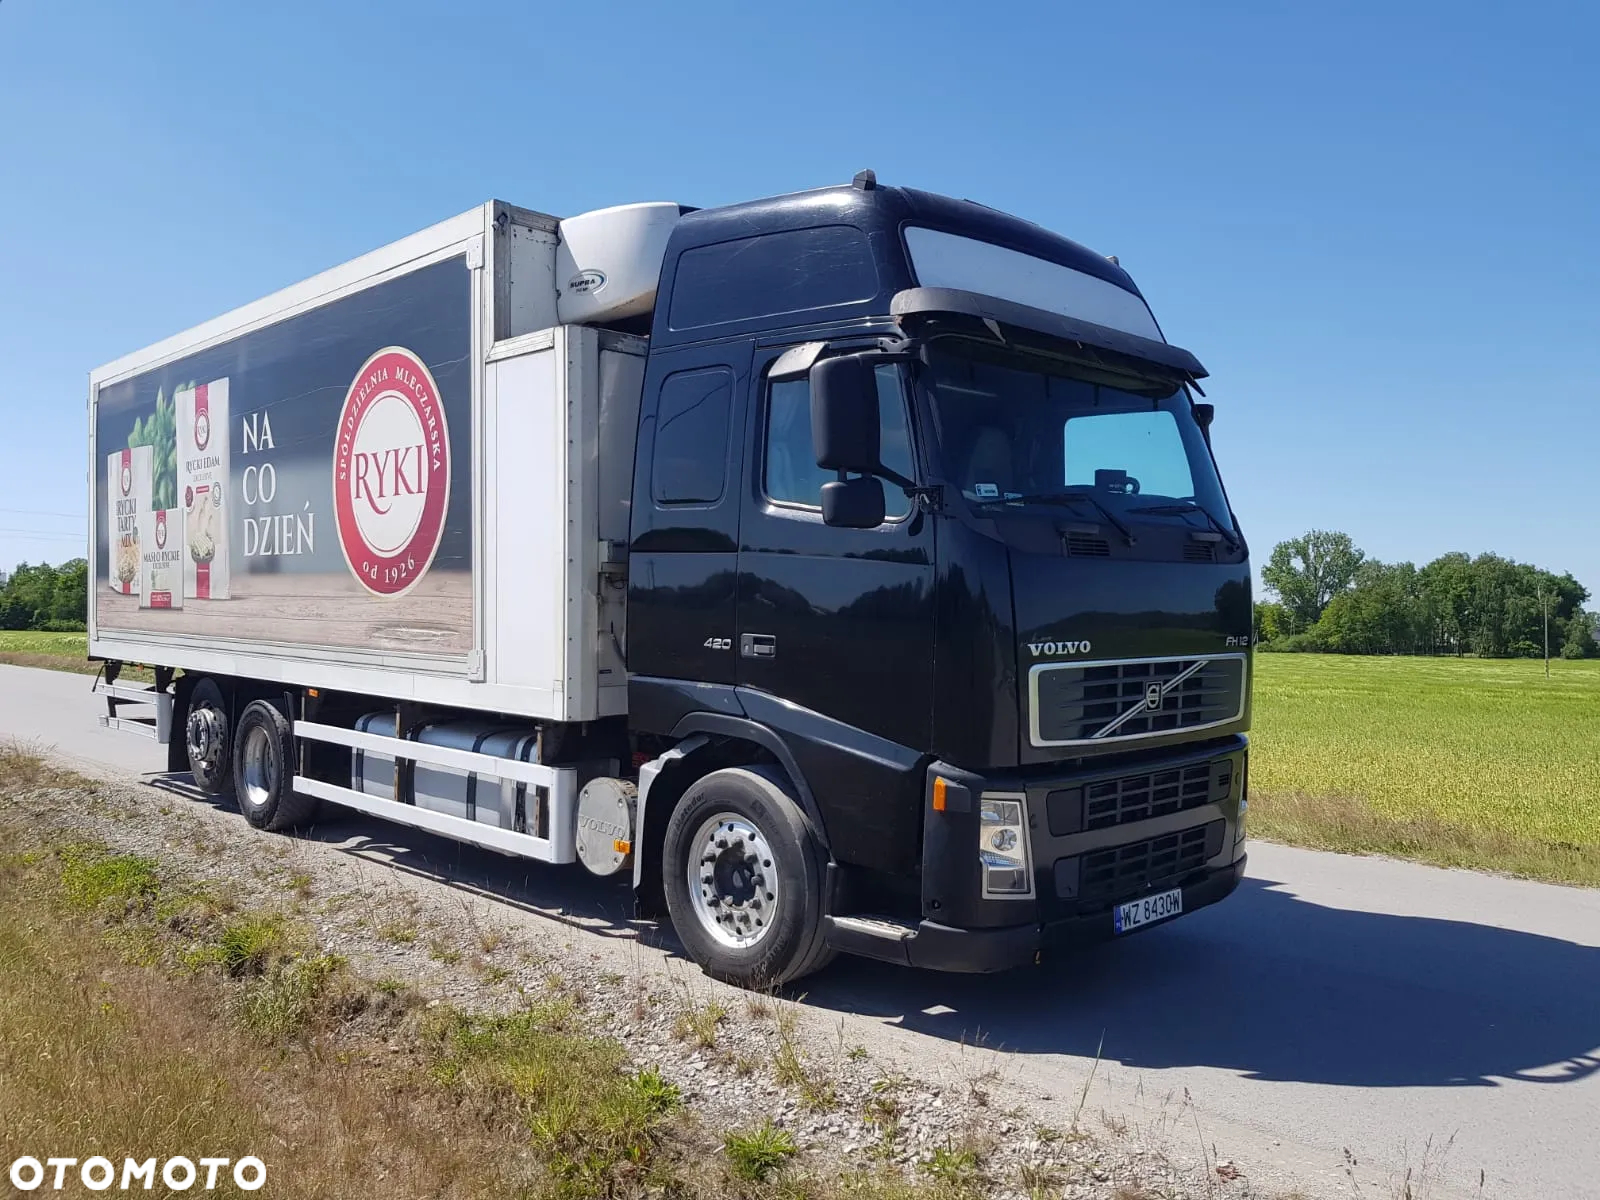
(146, 1014)
(24, 768)
(1350, 825)
(107, 1051)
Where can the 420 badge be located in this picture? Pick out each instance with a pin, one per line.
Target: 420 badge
(391, 472)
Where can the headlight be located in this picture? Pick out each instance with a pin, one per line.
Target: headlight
(1003, 848)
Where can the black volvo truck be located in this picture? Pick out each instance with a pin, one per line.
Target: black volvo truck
(903, 610)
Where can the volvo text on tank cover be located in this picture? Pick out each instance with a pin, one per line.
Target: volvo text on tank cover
(846, 570)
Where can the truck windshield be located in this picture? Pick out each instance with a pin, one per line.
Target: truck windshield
(1015, 432)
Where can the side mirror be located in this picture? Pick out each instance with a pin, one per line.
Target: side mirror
(844, 415)
(853, 503)
(1204, 414)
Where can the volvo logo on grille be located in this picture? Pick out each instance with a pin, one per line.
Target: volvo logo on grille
(1155, 693)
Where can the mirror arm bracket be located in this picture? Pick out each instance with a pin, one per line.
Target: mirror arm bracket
(931, 497)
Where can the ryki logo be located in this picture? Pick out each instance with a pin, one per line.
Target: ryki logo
(391, 472)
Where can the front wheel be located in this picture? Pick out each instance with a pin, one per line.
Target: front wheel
(263, 771)
(744, 875)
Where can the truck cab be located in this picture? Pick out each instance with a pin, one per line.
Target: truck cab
(925, 517)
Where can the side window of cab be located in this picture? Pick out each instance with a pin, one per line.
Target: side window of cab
(690, 464)
(791, 477)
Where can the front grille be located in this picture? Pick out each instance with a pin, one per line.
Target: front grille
(1199, 552)
(1118, 801)
(1081, 702)
(1121, 872)
(1106, 803)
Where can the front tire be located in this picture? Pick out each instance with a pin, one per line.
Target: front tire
(744, 874)
(263, 771)
(207, 739)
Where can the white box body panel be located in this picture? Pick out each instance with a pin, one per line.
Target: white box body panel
(509, 467)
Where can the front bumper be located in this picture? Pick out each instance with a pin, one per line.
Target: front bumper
(937, 947)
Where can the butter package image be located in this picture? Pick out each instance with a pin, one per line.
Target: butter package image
(161, 558)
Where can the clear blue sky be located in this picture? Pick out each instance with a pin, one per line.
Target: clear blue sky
(1377, 224)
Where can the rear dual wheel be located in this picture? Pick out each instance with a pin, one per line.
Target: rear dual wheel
(208, 740)
(744, 874)
(253, 762)
(263, 771)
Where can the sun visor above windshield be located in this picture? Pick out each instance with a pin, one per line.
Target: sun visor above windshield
(928, 310)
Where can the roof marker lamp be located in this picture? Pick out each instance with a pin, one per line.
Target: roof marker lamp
(1003, 848)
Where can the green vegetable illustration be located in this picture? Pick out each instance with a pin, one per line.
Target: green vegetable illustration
(159, 431)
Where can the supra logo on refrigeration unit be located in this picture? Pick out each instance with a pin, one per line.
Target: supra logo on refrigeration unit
(391, 472)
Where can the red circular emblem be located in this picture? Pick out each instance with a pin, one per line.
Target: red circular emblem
(391, 472)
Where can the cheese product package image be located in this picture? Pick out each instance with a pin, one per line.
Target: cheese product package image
(127, 497)
(203, 488)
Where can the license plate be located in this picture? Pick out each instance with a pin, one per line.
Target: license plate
(1148, 910)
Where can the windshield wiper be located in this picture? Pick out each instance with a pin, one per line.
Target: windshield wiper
(1066, 497)
(1179, 507)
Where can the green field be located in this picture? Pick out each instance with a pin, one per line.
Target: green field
(63, 651)
(1468, 762)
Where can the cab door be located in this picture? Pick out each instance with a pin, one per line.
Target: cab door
(837, 621)
(683, 552)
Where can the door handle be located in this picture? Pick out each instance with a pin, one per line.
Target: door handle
(758, 645)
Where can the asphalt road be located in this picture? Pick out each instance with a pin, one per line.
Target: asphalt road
(1332, 1003)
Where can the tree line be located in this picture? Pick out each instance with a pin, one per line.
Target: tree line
(1329, 596)
(46, 597)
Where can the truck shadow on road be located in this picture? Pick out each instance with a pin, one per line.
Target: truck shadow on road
(1265, 984)
(568, 894)
(1282, 989)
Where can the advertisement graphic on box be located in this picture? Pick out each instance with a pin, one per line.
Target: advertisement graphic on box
(203, 487)
(314, 474)
(127, 498)
(161, 558)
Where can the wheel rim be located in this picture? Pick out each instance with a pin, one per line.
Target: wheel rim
(203, 735)
(260, 768)
(733, 881)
